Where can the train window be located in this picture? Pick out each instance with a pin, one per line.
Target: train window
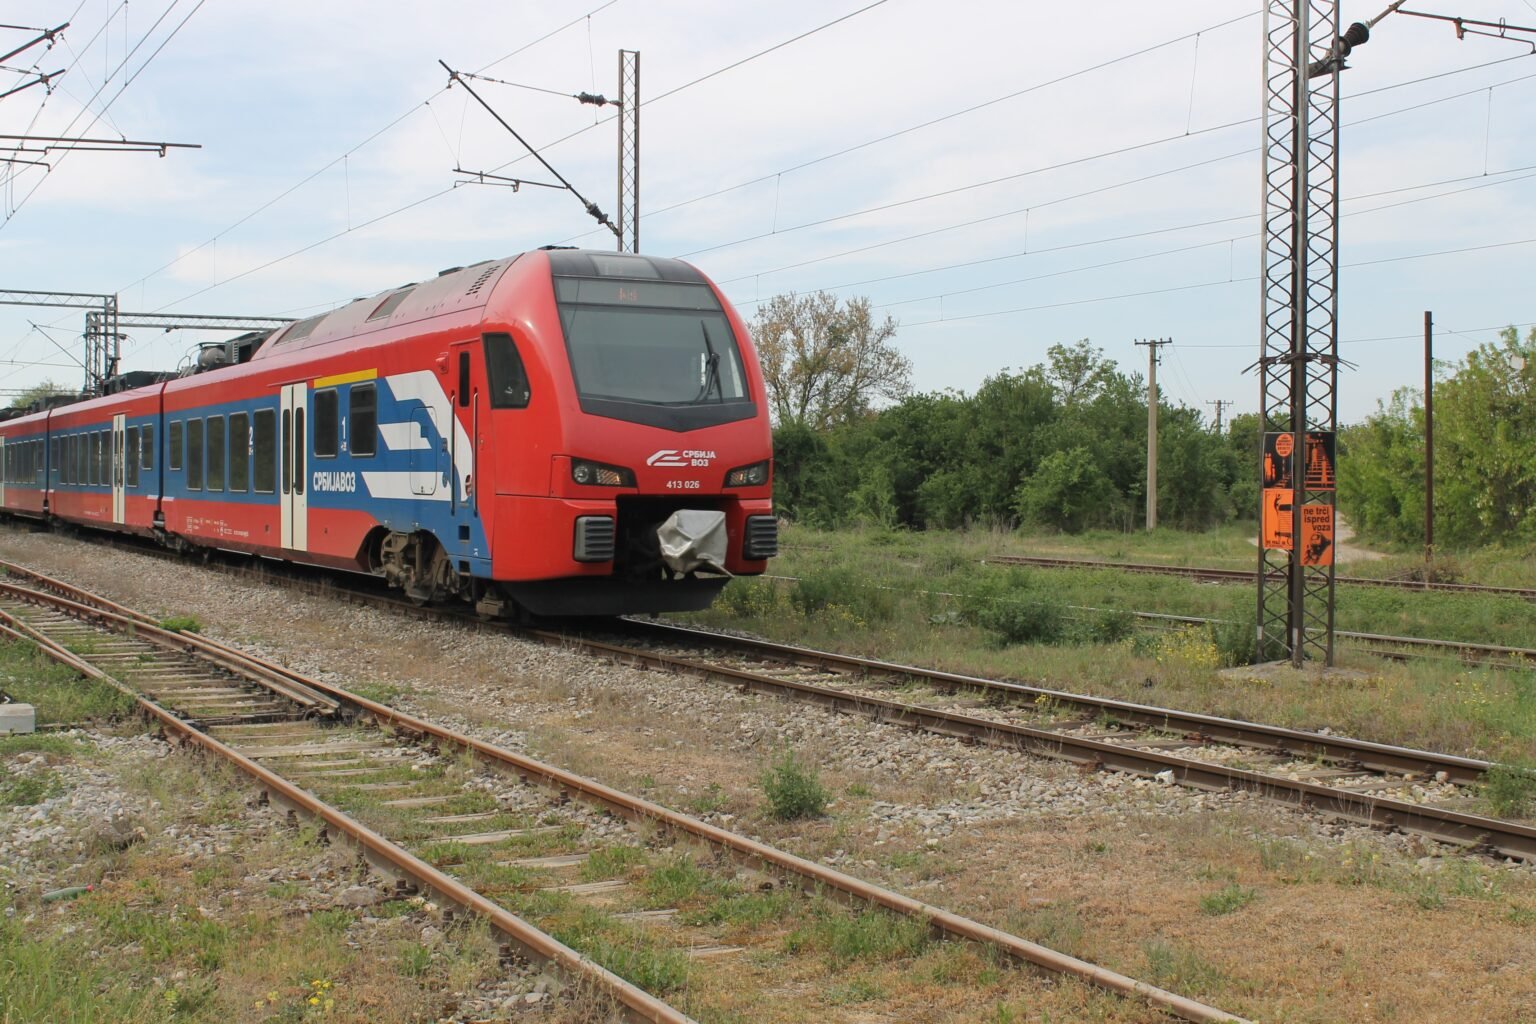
(363, 419)
(173, 446)
(463, 378)
(327, 423)
(147, 448)
(82, 458)
(287, 450)
(194, 455)
(298, 451)
(53, 460)
(93, 460)
(216, 449)
(264, 443)
(239, 451)
(131, 456)
(504, 368)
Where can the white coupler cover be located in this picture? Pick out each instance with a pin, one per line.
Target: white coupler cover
(693, 539)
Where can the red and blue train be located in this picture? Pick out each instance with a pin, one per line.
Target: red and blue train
(563, 432)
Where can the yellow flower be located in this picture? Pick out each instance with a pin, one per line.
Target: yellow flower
(314, 1000)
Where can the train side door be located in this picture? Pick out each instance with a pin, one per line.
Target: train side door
(118, 440)
(3, 473)
(292, 446)
(464, 408)
(424, 452)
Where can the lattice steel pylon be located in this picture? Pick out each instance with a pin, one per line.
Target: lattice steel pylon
(1298, 358)
(628, 217)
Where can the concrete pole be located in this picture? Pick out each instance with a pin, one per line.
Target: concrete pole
(1152, 344)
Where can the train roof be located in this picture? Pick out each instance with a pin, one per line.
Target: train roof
(462, 288)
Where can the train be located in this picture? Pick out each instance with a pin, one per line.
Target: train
(563, 432)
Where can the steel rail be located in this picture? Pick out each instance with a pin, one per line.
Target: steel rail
(639, 1004)
(1216, 574)
(1368, 754)
(633, 808)
(1507, 838)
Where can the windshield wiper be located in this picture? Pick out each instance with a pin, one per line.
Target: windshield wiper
(711, 369)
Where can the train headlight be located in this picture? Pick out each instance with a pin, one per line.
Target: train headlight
(598, 474)
(754, 475)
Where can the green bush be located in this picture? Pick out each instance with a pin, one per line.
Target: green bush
(1510, 790)
(1025, 619)
(748, 597)
(182, 624)
(794, 790)
(816, 592)
(1111, 626)
(1013, 610)
(1237, 638)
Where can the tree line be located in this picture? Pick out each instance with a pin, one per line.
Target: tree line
(1485, 453)
(1060, 445)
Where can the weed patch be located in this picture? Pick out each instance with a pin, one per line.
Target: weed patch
(1227, 899)
(872, 935)
(1510, 790)
(794, 790)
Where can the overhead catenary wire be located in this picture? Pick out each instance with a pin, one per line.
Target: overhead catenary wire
(545, 147)
(15, 207)
(1024, 209)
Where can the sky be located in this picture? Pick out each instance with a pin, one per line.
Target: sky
(997, 177)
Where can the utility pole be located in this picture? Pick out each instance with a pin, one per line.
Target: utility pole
(1429, 437)
(1220, 404)
(628, 218)
(1152, 344)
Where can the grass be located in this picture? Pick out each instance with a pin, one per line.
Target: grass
(60, 695)
(933, 587)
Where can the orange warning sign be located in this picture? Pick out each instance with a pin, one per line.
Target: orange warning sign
(1275, 524)
(1317, 535)
(1284, 445)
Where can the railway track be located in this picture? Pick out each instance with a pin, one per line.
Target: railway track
(522, 844)
(1215, 575)
(1415, 791)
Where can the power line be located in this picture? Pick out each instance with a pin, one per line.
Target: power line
(1180, 249)
(1033, 88)
(1026, 209)
(1208, 284)
(545, 147)
(16, 207)
(702, 78)
(339, 159)
(953, 114)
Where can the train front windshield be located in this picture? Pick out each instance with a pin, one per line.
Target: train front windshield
(649, 342)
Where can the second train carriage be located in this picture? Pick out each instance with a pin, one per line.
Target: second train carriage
(566, 431)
